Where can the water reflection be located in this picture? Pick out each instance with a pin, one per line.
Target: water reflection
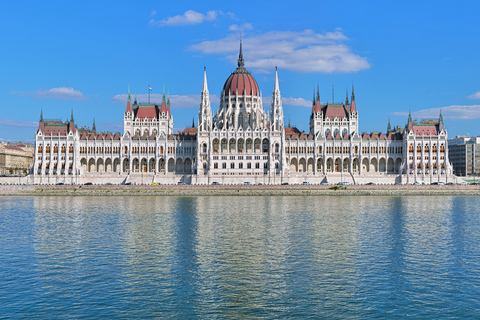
(240, 257)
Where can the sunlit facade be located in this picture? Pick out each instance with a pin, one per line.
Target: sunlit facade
(241, 143)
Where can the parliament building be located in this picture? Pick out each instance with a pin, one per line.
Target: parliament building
(240, 143)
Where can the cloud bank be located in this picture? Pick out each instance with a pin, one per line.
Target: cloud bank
(190, 17)
(454, 112)
(61, 93)
(193, 100)
(476, 95)
(18, 123)
(176, 101)
(305, 51)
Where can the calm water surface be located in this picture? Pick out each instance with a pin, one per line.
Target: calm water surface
(350, 257)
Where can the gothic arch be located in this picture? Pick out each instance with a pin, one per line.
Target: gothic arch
(310, 165)
(382, 166)
(365, 165)
(108, 165)
(320, 165)
(179, 167)
(151, 165)
(187, 166)
(390, 165)
(293, 165)
(302, 165)
(116, 165)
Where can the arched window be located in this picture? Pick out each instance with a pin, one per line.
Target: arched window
(265, 145)
(215, 145)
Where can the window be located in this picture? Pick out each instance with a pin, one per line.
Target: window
(232, 165)
(257, 165)
(240, 165)
(249, 165)
(215, 165)
(224, 165)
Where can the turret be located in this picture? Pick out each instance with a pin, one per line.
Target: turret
(204, 112)
(129, 102)
(276, 111)
(353, 104)
(440, 122)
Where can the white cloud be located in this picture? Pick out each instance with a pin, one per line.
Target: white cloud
(176, 101)
(236, 27)
(304, 51)
(188, 18)
(451, 112)
(287, 102)
(476, 95)
(18, 123)
(62, 93)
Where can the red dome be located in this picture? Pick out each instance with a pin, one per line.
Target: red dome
(241, 80)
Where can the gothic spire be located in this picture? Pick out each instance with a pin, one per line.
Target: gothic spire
(71, 117)
(276, 86)
(318, 92)
(168, 99)
(313, 101)
(41, 115)
(163, 96)
(135, 101)
(410, 116)
(346, 99)
(129, 99)
(389, 127)
(205, 86)
(440, 119)
(353, 93)
(94, 129)
(240, 62)
(193, 122)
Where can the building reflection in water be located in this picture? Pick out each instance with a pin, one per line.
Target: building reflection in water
(238, 256)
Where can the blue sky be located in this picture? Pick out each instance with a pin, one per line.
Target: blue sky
(57, 56)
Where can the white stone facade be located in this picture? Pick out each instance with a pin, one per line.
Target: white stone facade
(240, 144)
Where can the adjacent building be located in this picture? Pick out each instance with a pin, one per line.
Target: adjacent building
(15, 158)
(241, 143)
(464, 154)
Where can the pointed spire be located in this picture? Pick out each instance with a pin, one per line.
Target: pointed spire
(163, 96)
(135, 101)
(276, 86)
(129, 99)
(41, 115)
(71, 117)
(240, 62)
(353, 107)
(289, 123)
(205, 86)
(168, 99)
(440, 119)
(410, 116)
(193, 122)
(346, 99)
(94, 129)
(318, 92)
(389, 127)
(313, 101)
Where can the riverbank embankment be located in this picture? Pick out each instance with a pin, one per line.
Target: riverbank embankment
(236, 190)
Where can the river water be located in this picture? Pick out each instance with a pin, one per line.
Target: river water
(207, 257)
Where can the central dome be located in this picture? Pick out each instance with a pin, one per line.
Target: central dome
(241, 82)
